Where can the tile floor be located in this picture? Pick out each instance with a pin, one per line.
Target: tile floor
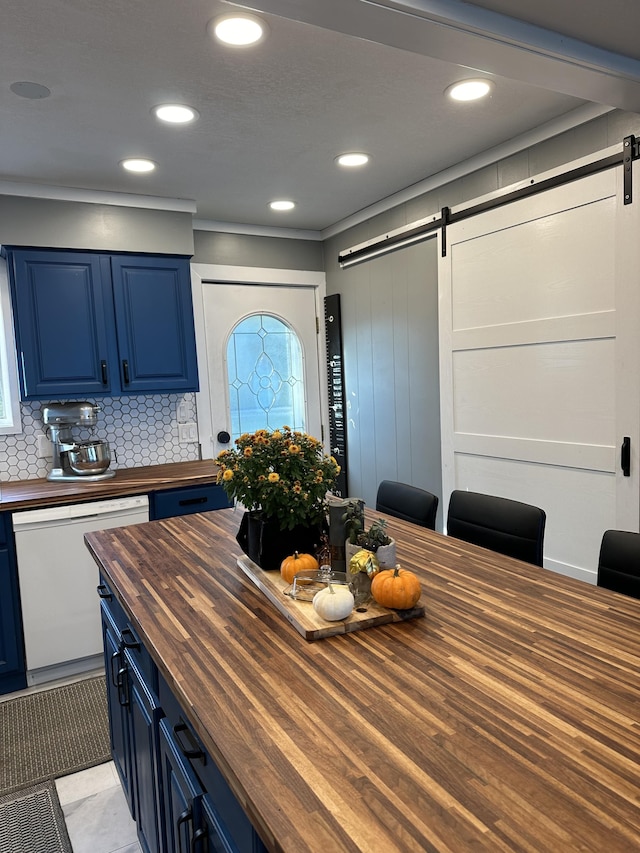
(96, 812)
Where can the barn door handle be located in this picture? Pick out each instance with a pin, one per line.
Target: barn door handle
(625, 456)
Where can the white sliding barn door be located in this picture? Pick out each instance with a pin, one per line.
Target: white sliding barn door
(539, 328)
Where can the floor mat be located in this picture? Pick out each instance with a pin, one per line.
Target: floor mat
(31, 821)
(52, 733)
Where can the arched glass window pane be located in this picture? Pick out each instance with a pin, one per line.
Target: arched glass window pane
(266, 380)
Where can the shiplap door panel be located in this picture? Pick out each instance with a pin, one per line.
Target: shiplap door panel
(539, 361)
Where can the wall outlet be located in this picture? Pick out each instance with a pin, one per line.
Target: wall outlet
(45, 450)
(187, 433)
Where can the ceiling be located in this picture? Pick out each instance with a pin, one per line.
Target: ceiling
(332, 76)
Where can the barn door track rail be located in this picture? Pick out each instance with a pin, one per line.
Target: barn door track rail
(423, 229)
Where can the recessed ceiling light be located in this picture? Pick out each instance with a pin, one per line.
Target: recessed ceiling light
(282, 205)
(353, 159)
(138, 164)
(175, 113)
(469, 90)
(239, 30)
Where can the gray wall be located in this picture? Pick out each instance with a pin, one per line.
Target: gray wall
(389, 309)
(79, 225)
(213, 247)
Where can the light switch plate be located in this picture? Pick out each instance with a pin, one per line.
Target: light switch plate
(45, 451)
(187, 433)
(182, 413)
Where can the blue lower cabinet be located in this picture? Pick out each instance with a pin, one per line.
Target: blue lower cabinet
(181, 792)
(212, 836)
(186, 500)
(134, 715)
(12, 661)
(118, 712)
(218, 815)
(144, 717)
(176, 793)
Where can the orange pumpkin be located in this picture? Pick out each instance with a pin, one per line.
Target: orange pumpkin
(290, 566)
(396, 588)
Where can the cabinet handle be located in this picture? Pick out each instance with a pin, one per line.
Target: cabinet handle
(190, 750)
(103, 592)
(200, 835)
(125, 371)
(123, 687)
(182, 819)
(129, 640)
(191, 501)
(114, 657)
(105, 375)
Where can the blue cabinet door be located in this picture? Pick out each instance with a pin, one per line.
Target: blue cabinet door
(181, 792)
(63, 313)
(144, 715)
(154, 319)
(12, 664)
(118, 713)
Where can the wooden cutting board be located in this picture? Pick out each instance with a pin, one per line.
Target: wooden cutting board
(305, 619)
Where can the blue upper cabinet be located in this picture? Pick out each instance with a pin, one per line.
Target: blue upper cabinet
(154, 320)
(62, 315)
(92, 325)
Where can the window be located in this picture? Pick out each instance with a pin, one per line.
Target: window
(9, 398)
(266, 377)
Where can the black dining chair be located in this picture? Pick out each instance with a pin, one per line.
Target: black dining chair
(619, 562)
(500, 524)
(407, 502)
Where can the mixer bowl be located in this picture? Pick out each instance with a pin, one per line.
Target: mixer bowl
(89, 457)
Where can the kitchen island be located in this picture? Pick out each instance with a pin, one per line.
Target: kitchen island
(506, 719)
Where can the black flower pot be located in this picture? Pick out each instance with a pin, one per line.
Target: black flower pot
(267, 545)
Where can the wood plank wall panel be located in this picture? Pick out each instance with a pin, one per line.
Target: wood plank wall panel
(390, 332)
(505, 720)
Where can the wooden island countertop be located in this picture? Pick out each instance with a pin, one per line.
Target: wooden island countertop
(506, 719)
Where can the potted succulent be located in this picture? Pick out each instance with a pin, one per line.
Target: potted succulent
(374, 539)
(281, 478)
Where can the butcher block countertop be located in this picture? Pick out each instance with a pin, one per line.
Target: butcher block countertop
(31, 494)
(506, 719)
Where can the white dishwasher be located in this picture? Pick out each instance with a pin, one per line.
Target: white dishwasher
(58, 579)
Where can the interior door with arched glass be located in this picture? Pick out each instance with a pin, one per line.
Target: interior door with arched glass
(262, 359)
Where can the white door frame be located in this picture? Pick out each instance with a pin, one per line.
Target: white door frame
(228, 274)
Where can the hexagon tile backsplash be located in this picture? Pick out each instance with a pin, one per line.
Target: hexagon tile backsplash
(141, 430)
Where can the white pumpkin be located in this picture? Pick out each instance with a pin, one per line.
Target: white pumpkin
(333, 603)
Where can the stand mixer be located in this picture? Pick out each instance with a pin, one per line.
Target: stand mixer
(72, 459)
